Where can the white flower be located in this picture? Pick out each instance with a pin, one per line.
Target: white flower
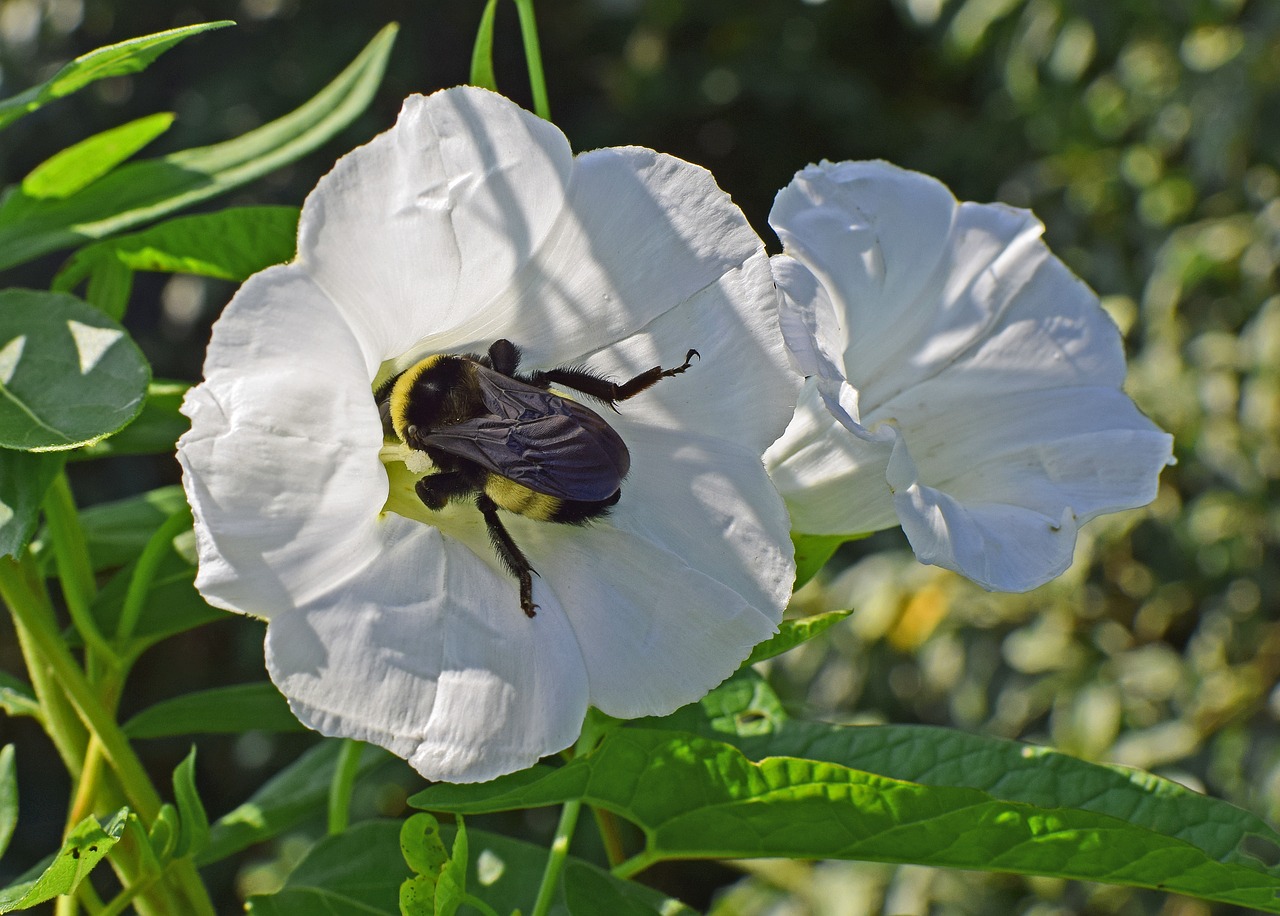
(965, 384)
(470, 221)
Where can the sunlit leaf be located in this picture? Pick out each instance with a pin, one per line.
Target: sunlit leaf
(141, 191)
(120, 59)
(792, 633)
(85, 846)
(76, 167)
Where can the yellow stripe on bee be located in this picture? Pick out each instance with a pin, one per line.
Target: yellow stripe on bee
(399, 400)
(517, 498)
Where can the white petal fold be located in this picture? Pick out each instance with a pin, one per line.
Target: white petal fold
(470, 221)
(965, 384)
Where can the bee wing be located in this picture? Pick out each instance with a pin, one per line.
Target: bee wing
(537, 438)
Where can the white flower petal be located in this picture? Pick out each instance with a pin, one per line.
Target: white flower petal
(431, 658)
(833, 481)
(640, 234)
(275, 489)
(655, 633)
(963, 365)
(731, 323)
(419, 230)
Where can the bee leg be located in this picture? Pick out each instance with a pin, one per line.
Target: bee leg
(504, 357)
(436, 490)
(604, 390)
(510, 555)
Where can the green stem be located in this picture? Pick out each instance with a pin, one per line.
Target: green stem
(144, 572)
(533, 58)
(340, 787)
(610, 835)
(556, 857)
(51, 651)
(634, 865)
(75, 572)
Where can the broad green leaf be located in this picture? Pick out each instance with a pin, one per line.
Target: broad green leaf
(193, 823)
(230, 244)
(8, 797)
(132, 56)
(155, 430)
(299, 791)
(84, 847)
(792, 633)
(356, 872)
(139, 192)
(76, 167)
(590, 892)
(697, 798)
(17, 698)
(69, 375)
(220, 710)
(814, 550)
(347, 874)
(482, 52)
(24, 478)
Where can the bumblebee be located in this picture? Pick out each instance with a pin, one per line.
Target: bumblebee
(505, 439)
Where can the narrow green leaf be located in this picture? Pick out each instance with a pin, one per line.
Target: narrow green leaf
(117, 531)
(193, 823)
(219, 710)
(482, 52)
(110, 286)
(17, 698)
(155, 430)
(120, 59)
(163, 835)
(814, 550)
(78, 166)
(139, 192)
(299, 791)
(85, 846)
(8, 797)
(696, 798)
(24, 478)
(230, 244)
(68, 374)
(792, 633)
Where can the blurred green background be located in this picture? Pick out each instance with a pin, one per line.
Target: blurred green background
(1145, 133)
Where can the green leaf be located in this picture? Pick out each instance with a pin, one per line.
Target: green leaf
(142, 191)
(84, 847)
(792, 633)
(76, 167)
(193, 823)
(814, 550)
(17, 698)
(132, 56)
(590, 892)
(295, 793)
(117, 531)
(347, 874)
(356, 872)
(8, 797)
(482, 52)
(109, 288)
(163, 835)
(24, 478)
(68, 374)
(220, 710)
(439, 883)
(155, 430)
(230, 244)
(697, 798)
